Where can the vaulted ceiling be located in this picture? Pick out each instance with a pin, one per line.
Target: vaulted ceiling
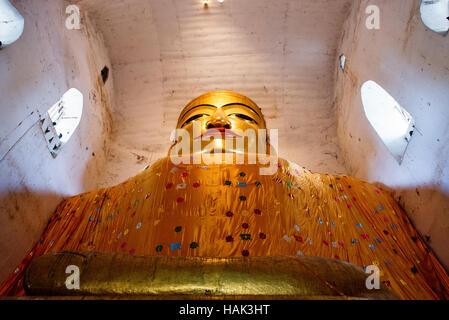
(282, 54)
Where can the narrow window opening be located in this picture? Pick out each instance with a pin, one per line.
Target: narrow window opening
(393, 124)
(62, 120)
(435, 15)
(66, 114)
(342, 62)
(11, 23)
(105, 74)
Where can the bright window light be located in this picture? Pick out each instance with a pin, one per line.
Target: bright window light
(393, 124)
(434, 14)
(11, 23)
(342, 62)
(66, 114)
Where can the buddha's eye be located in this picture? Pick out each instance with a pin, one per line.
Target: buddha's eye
(197, 116)
(243, 116)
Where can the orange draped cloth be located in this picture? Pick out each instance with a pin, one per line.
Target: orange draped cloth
(233, 211)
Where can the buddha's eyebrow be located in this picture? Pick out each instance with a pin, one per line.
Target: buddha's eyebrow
(227, 105)
(199, 106)
(243, 105)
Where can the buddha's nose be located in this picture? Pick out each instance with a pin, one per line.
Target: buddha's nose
(218, 120)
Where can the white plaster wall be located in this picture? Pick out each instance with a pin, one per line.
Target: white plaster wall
(282, 54)
(34, 73)
(412, 64)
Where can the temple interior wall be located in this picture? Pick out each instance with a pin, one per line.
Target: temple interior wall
(412, 64)
(35, 72)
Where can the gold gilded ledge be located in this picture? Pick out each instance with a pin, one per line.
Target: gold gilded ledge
(117, 275)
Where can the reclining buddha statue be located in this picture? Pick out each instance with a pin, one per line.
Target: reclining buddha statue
(223, 216)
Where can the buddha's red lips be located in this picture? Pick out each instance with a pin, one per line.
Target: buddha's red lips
(218, 132)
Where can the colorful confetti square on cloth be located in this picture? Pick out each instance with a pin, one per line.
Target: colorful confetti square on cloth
(193, 245)
(245, 237)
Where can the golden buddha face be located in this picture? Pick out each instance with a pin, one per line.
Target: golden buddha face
(221, 122)
(221, 111)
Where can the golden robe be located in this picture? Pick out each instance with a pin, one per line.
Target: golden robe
(233, 211)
